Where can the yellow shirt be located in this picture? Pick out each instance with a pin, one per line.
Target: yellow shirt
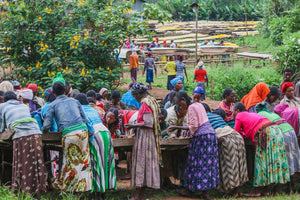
(170, 66)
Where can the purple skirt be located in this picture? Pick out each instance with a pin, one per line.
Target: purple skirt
(202, 171)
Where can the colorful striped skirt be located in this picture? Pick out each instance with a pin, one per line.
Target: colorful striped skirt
(102, 159)
(271, 166)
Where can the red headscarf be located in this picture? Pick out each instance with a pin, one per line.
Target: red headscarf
(286, 86)
(32, 86)
(257, 95)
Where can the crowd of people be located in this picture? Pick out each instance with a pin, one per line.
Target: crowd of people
(89, 122)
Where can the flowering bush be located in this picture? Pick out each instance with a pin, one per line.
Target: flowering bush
(76, 38)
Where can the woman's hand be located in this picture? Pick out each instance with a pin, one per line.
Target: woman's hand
(128, 126)
(171, 128)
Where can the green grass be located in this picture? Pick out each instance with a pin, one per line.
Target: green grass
(240, 78)
(262, 44)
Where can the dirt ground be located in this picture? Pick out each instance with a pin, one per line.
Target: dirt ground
(160, 93)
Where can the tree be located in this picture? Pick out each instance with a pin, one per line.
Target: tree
(77, 38)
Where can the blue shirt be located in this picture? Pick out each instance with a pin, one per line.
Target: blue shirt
(92, 118)
(129, 100)
(54, 127)
(66, 111)
(216, 121)
(180, 68)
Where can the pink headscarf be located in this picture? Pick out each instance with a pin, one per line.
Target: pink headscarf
(290, 114)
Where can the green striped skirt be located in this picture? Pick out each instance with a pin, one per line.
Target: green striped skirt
(102, 159)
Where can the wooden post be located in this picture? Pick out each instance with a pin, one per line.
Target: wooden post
(212, 87)
(196, 47)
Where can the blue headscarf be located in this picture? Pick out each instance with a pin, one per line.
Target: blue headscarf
(48, 91)
(176, 80)
(198, 90)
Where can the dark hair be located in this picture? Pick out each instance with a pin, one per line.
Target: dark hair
(239, 106)
(115, 112)
(180, 95)
(58, 88)
(130, 85)
(91, 93)
(287, 70)
(91, 100)
(206, 107)
(1, 93)
(227, 92)
(50, 98)
(67, 84)
(82, 99)
(163, 112)
(9, 95)
(274, 91)
(115, 94)
(172, 95)
(99, 97)
(220, 112)
(180, 58)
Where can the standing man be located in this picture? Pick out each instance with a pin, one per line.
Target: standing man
(134, 65)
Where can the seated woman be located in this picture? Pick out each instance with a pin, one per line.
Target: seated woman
(290, 114)
(101, 150)
(202, 168)
(271, 166)
(257, 95)
(227, 104)
(232, 153)
(177, 86)
(272, 98)
(197, 94)
(289, 95)
(28, 170)
(176, 117)
(115, 102)
(171, 100)
(289, 136)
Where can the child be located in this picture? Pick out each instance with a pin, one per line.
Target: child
(171, 69)
(200, 76)
(180, 68)
(149, 65)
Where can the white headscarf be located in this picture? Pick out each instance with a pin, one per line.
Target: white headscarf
(6, 86)
(102, 91)
(26, 94)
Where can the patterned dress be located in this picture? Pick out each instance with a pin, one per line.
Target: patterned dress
(202, 171)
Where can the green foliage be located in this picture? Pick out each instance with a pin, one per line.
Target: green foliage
(76, 38)
(241, 79)
(288, 55)
(213, 9)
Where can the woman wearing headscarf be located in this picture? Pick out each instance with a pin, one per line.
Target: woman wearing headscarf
(289, 95)
(26, 96)
(28, 170)
(6, 86)
(146, 153)
(257, 95)
(197, 94)
(227, 104)
(101, 150)
(289, 136)
(271, 166)
(104, 93)
(290, 114)
(177, 85)
(232, 153)
(202, 168)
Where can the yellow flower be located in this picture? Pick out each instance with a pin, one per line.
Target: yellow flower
(67, 67)
(40, 19)
(21, 18)
(46, 45)
(48, 10)
(53, 73)
(111, 3)
(100, 67)
(7, 40)
(66, 54)
(38, 65)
